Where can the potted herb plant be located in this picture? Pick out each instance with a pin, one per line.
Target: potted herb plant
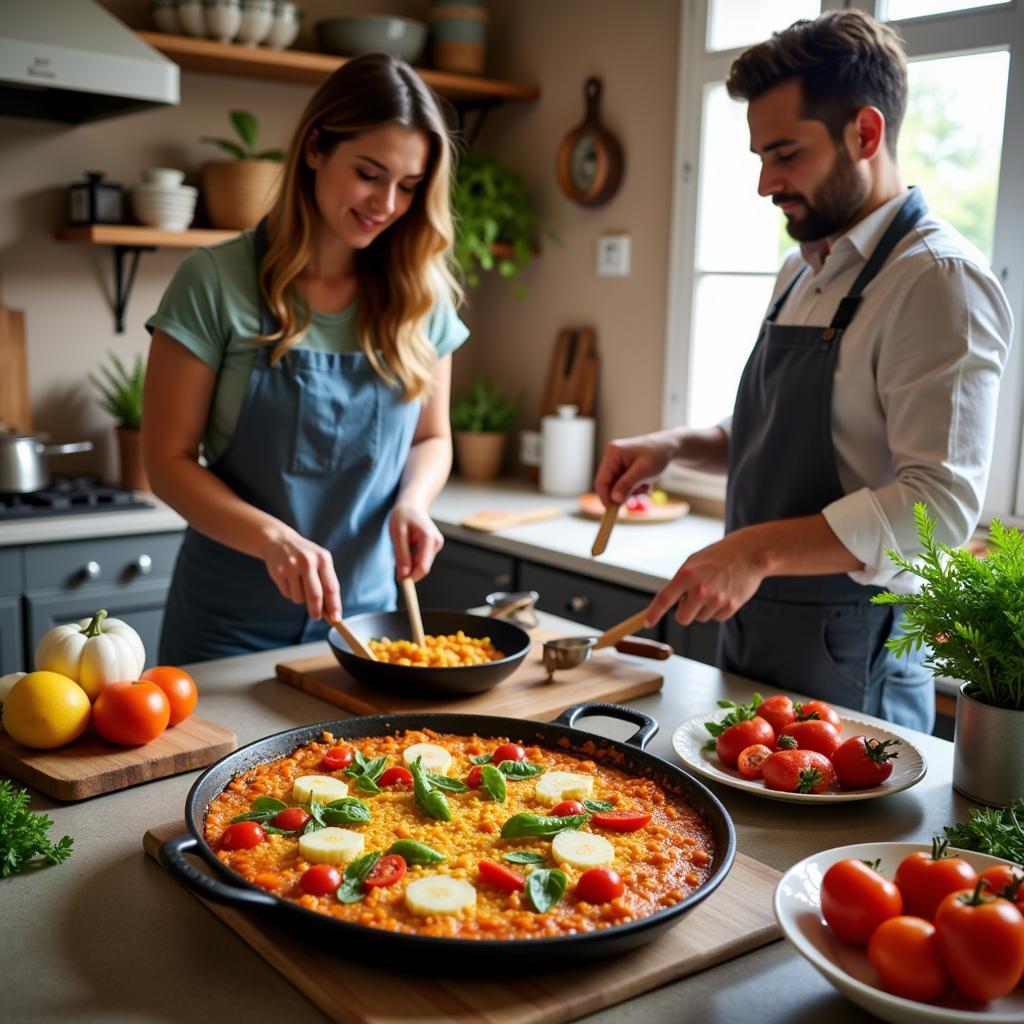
(238, 192)
(969, 613)
(481, 421)
(120, 393)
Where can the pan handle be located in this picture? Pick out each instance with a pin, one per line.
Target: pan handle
(172, 857)
(643, 735)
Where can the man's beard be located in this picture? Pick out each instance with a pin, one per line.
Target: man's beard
(835, 203)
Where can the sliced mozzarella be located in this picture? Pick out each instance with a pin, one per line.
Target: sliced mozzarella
(324, 787)
(439, 894)
(432, 757)
(554, 787)
(582, 849)
(331, 845)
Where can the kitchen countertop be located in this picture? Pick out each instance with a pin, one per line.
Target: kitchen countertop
(109, 936)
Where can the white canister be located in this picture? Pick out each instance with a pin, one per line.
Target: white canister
(567, 452)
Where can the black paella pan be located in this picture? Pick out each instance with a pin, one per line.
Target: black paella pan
(449, 954)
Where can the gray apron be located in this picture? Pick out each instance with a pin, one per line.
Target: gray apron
(817, 635)
(320, 443)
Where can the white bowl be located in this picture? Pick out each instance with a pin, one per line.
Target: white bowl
(167, 192)
(190, 14)
(798, 910)
(257, 19)
(165, 16)
(284, 28)
(166, 177)
(223, 19)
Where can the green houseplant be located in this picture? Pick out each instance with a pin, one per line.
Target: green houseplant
(481, 420)
(237, 192)
(969, 614)
(120, 393)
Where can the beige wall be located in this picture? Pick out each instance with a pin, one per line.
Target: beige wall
(63, 289)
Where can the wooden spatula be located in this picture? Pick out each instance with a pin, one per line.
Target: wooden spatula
(412, 606)
(604, 531)
(610, 637)
(352, 640)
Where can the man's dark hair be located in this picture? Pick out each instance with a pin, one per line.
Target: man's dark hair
(844, 60)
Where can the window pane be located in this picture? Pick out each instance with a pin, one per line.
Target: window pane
(727, 314)
(952, 136)
(894, 10)
(737, 230)
(735, 23)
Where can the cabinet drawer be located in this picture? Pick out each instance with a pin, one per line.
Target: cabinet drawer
(12, 579)
(464, 575)
(104, 560)
(11, 659)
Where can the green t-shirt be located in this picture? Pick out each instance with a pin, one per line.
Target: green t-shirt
(212, 308)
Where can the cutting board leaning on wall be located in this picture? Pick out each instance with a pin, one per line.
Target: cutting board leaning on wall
(14, 398)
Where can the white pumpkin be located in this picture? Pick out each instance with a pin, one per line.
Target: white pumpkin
(6, 685)
(93, 652)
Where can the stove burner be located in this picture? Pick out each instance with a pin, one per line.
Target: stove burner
(68, 496)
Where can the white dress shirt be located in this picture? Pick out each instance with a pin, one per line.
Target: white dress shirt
(916, 383)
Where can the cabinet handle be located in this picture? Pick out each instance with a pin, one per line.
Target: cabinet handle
(579, 603)
(503, 579)
(143, 565)
(90, 571)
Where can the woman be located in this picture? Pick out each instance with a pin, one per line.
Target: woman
(311, 361)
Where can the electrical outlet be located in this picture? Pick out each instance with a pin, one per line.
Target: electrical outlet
(613, 255)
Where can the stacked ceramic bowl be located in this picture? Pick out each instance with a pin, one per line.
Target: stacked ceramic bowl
(162, 201)
(271, 23)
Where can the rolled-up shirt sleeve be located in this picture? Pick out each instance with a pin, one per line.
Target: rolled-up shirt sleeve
(943, 351)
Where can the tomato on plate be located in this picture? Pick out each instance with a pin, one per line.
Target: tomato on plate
(1006, 880)
(926, 879)
(738, 737)
(291, 820)
(320, 880)
(862, 762)
(500, 876)
(856, 899)
(508, 752)
(751, 760)
(178, 686)
(600, 885)
(337, 758)
(389, 869)
(567, 808)
(395, 776)
(814, 734)
(777, 711)
(798, 771)
(906, 955)
(243, 835)
(131, 714)
(981, 941)
(811, 709)
(620, 821)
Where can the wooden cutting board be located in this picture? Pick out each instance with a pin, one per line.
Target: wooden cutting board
(525, 694)
(735, 919)
(15, 410)
(91, 766)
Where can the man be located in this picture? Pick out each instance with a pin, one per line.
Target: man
(872, 385)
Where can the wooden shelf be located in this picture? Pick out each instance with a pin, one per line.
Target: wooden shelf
(142, 237)
(193, 54)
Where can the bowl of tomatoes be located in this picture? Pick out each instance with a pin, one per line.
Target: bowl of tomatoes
(911, 932)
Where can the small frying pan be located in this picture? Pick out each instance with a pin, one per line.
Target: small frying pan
(573, 651)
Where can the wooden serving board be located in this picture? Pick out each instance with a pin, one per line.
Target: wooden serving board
(591, 507)
(91, 766)
(525, 694)
(489, 521)
(735, 919)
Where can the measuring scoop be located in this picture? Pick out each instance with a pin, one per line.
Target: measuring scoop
(573, 651)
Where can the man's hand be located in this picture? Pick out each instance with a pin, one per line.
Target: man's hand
(416, 539)
(632, 463)
(303, 572)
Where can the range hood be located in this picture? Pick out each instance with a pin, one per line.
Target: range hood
(73, 61)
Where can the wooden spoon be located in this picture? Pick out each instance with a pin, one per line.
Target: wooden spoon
(604, 531)
(412, 606)
(610, 637)
(352, 640)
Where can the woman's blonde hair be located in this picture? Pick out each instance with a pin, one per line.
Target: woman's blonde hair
(403, 272)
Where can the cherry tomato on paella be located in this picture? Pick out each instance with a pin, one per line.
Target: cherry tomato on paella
(320, 880)
(337, 758)
(243, 835)
(500, 876)
(388, 870)
(291, 820)
(600, 885)
(396, 775)
(508, 752)
(620, 821)
(567, 808)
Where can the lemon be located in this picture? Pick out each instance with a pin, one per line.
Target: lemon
(46, 710)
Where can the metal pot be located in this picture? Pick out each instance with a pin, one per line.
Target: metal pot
(23, 464)
(449, 954)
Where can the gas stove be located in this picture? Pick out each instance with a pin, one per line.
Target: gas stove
(69, 496)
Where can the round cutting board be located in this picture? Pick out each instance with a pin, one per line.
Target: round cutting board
(591, 507)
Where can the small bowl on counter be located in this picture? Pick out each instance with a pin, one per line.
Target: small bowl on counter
(403, 38)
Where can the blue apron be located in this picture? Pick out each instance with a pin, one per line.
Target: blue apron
(320, 443)
(817, 635)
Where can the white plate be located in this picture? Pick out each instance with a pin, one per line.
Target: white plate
(909, 768)
(798, 910)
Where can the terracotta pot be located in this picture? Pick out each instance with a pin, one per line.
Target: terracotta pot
(987, 746)
(479, 455)
(238, 193)
(133, 470)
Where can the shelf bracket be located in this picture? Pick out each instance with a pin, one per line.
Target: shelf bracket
(482, 109)
(123, 284)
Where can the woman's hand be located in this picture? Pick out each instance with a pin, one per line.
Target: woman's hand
(416, 539)
(303, 572)
(631, 463)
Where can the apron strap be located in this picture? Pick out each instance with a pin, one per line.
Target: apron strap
(781, 300)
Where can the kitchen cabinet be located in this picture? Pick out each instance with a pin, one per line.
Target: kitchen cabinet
(11, 585)
(697, 641)
(463, 575)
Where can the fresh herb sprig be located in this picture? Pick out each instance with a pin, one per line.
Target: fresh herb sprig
(737, 713)
(430, 800)
(366, 772)
(999, 832)
(524, 824)
(23, 836)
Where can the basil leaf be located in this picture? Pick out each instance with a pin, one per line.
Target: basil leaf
(260, 816)
(494, 782)
(545, 887)
(272, 830)
(316, 817)
(351, 889)
(520, 769)
(366, 784)
(415, 852)
(347, 811)
(525, 857)
(481, 758)
(360, 762)
(268, 804)
(375, 768)
(527, 824)
(431, 801)
(443, 782)
(599, 805)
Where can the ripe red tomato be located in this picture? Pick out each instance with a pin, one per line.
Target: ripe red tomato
(475, 777)
(1006, 880)
(508, 752)
(291, 820)
(388, 870)
(926, 879)
(320, 880)
(981, 941)
(798, 771)
(861, 762)
(777, 711)
(337, 758)
(566, 808)
(131, 713)
(751, 760)
(500, 876)
(395, 776)
(738, 737)
(179, 687)
(856, 899)
(600, 885)
(810, 709)
(815, 734)
(243, 835)
(905, 953)
(620, 821)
